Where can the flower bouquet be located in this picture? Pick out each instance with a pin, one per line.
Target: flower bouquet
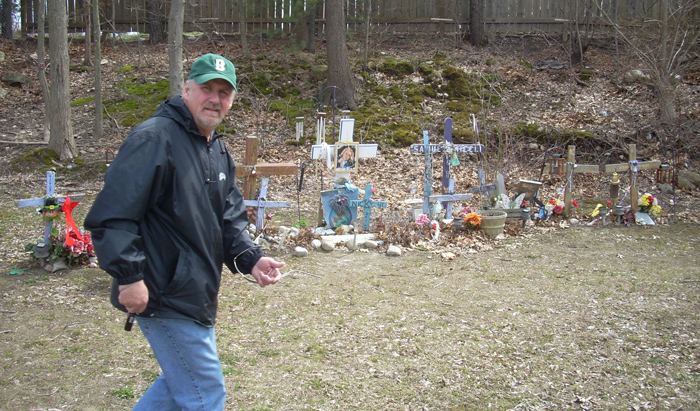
(650, 205)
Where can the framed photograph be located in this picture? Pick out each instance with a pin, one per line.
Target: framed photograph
(346, 155)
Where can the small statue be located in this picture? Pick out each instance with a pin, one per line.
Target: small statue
(435, 230)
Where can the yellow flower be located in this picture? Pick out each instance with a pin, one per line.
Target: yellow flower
(596, 210)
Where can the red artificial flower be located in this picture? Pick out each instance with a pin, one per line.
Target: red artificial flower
(558, 209)
(609, 203)
(552, 202)
(574, 203)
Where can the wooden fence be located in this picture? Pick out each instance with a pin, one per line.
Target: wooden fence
(394, 16)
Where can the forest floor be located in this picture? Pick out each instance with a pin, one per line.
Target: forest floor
(556, 316)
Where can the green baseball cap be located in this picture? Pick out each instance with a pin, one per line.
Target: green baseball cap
(211, 66)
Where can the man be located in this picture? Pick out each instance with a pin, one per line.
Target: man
(168, 218)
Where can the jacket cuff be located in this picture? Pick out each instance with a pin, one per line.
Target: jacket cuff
(129, 280)
(247, 259)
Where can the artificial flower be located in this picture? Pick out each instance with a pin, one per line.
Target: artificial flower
(472, 220)
(423, 220)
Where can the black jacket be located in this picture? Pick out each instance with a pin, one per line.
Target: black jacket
(170, 213)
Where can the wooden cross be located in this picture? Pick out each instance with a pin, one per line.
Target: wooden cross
(448, 150)
(632, 165)
(449, 198)
(250, 169)
(482, 187)
(327, 152)
(39, 202)
(367, 203)
(261, 203)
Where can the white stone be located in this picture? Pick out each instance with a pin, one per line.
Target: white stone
(300, 252)
(294, 232)
(370, 244)
(393, 251)
(328, 245)
(316, 243)
(354, 244)
(448, 255)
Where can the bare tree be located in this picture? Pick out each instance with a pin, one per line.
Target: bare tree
(339, 73)
(476, 22)
(40, 18)
(175, 22)
(62, 141)
(6, 9)
(243, 25)
(154, 17)
(99, 129)
(665, 45)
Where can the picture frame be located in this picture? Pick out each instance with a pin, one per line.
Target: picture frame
(346, 155)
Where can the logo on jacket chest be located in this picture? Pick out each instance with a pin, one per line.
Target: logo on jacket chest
(222, 176)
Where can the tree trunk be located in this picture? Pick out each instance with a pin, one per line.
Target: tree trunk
(368, 28)
(476, 22)
(154, 17)
(667, 100)
(88, 36)
(99, 130)
(243, 25)
(6, 18)
(339, 73)
(40, 18)
(301, 24)
(62, 141)
(175, 22)
(311, 45)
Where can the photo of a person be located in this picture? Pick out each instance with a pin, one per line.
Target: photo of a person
(346, 158)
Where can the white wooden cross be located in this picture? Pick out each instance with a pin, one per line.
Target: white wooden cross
(326, 152)
(40, 202)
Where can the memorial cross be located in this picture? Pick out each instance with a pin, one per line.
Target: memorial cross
(633, 166)
(40, 202)
(327, 152)
(448, 198)
(250, 169)
(482, 188)
(261, 203)
(367, 203)
(449, 153)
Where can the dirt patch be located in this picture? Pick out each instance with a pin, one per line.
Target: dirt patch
(586, 318)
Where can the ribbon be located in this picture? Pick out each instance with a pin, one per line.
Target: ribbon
(68, 207)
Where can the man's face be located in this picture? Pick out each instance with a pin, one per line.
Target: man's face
(208, 102)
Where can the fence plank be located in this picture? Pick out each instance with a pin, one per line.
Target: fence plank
(399, 15)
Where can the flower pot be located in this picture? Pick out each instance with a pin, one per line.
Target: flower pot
(492, 222)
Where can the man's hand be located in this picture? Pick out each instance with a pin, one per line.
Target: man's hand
(266, 271)
(134, 297)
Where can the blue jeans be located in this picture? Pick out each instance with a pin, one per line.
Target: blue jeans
(192, 377)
